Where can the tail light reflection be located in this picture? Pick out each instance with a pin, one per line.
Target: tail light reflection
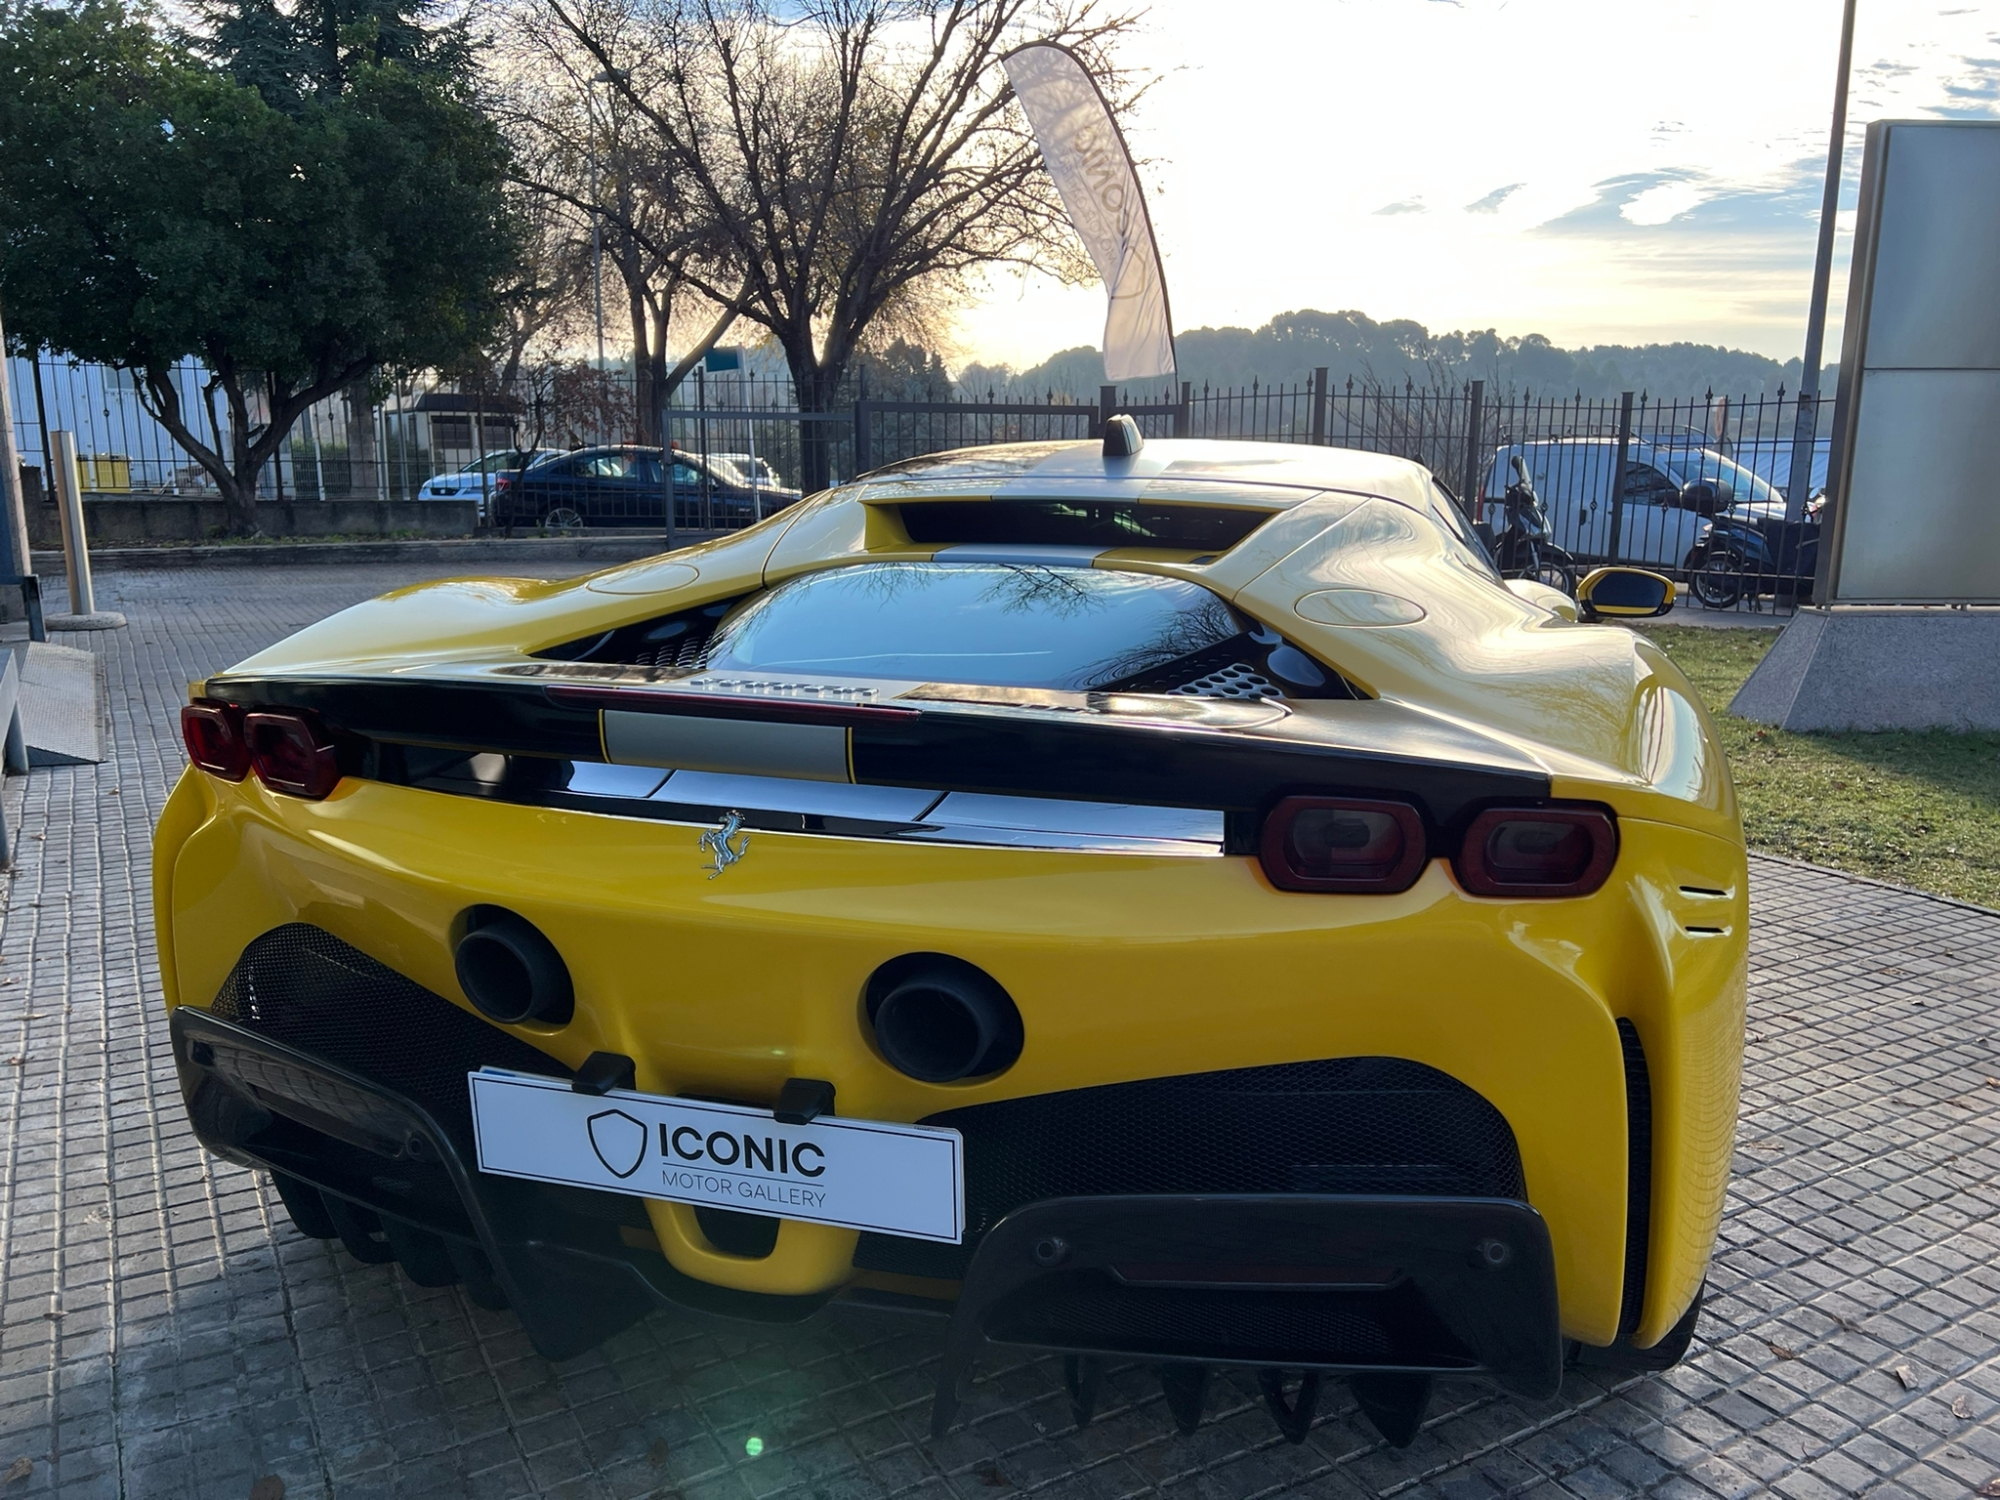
(292, 753)
(1539, 851)
(213, 733)
(1343, 844)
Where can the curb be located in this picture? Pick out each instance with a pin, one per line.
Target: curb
(1887, 885)
(512, 550)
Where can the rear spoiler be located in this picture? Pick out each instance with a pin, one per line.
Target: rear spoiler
(1157, 750)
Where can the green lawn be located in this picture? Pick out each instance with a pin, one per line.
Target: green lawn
(1919, 809)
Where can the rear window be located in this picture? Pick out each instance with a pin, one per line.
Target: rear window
(1090, 523)
(1001, 624)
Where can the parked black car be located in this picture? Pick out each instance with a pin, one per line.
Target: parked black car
(628, 485)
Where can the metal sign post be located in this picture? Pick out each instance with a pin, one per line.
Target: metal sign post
(69, 496)
(15, 560)
(84, 614)
(1908, 579)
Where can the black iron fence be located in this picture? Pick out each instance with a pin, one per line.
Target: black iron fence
(1696, 488)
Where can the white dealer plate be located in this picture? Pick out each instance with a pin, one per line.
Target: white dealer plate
(856, 1174)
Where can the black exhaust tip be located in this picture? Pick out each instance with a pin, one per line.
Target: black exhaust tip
(511, 972)
(940, 1019)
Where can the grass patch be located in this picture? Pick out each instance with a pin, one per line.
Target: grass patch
(1921, 809)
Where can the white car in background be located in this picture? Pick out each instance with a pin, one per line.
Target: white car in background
(1672, 490)
(755, 469)
(479, 480)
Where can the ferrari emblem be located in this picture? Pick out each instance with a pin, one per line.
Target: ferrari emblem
(618, 1138)
(716, 842)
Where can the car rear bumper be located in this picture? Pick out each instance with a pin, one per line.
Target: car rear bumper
(571, 1264)
(1305, 1281)
(1312, 1281)
(1128, 971)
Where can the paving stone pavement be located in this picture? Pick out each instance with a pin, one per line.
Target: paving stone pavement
(164, 1331)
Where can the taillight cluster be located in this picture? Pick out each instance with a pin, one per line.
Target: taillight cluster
(290, 750)
(1369, 846)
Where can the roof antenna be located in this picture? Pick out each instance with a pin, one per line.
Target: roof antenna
(1122, 438)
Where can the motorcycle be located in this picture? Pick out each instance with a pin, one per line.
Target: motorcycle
(1523, 549)
(1739, 558)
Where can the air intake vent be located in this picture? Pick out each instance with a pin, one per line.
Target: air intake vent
(672, 643)
(1344, 1125)
(1081, 523)
(1234, 681)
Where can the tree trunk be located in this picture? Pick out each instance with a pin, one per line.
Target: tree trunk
(645, 428)
(231, 458)
(364, 469)
(239, 502)
(817, 386)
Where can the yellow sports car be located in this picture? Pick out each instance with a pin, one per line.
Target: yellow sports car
(1159, 900)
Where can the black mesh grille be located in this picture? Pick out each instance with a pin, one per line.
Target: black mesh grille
(303, 986)
(672, 643)
(1347, 1125)
(1638, 1175)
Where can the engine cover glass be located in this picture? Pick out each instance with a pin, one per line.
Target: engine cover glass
(1000, 624)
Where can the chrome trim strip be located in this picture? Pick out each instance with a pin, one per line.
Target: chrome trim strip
(1048, 839)
(820, 799)
(599, 779)
(1125, 821)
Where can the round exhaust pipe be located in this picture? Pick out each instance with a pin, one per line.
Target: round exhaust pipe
(940, 1019)
(511, 972)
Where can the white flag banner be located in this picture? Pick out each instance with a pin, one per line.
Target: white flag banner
(1087, 159)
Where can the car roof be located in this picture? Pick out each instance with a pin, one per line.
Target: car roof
(1227, 464)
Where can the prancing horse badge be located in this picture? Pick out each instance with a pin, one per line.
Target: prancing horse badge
(716, 842)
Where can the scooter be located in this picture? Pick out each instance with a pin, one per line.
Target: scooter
(1736, 558)
(1523, 549)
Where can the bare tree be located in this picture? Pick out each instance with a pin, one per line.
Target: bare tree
(617, 200)
(547, 301)
(850, 155)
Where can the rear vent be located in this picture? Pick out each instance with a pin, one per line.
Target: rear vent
(1256, 664)
(671, 643)
(1081, 523)
(1234, 681)
(1638, 1176)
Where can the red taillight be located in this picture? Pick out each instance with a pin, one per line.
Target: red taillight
(214, 736)
(1342, 844)
(1538, 851)
(292, 753)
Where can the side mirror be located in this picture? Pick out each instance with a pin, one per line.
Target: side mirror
(1698, 495)
(1624, 594)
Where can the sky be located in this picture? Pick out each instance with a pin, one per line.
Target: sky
(1599, 173)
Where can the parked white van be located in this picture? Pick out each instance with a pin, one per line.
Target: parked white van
(1672, 487)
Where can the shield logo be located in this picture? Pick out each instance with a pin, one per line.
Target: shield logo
(619, 1141)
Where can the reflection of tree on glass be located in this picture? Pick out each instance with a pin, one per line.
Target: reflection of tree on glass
(997, 624)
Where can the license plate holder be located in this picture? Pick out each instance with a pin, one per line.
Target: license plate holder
(873, 1175)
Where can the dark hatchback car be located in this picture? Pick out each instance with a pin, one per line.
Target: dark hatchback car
(626, 485)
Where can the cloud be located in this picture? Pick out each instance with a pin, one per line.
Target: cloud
(1490, 204)
(1728, 262)
(1660, 205)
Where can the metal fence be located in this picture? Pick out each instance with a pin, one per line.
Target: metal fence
(1614, 473)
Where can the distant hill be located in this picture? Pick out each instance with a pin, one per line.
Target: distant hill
(1352, 345)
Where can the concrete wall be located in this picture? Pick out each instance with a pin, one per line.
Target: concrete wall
(121, 520)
